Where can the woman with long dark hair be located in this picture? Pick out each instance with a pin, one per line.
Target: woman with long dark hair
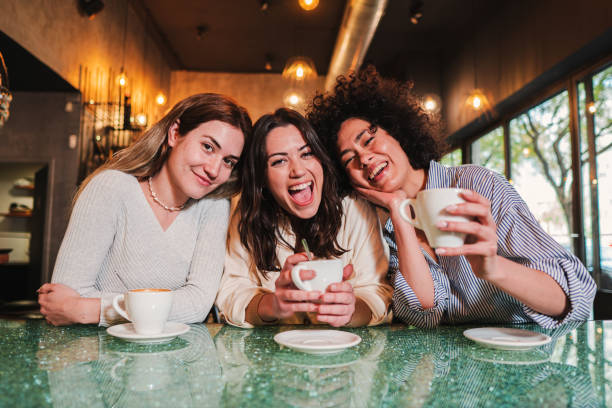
(153, 217)
(509, 270)
(289, 194)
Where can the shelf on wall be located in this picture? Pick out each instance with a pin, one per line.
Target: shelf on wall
(16, 215)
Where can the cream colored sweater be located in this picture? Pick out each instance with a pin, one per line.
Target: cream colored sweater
(115, 243)
(360, 234)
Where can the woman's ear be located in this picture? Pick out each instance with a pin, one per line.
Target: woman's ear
(173, 134)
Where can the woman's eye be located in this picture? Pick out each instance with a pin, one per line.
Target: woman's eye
(348, 161)
(276, 162)
(229, 163)
(307, 154)
(207, 146)
(368, 140)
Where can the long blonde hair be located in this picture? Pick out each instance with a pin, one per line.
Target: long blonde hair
(146, 156)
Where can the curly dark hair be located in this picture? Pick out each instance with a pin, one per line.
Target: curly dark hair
(384, 103)
(261, 217)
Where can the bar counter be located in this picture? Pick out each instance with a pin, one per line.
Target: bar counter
(222, 366)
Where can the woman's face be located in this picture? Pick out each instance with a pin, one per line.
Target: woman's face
(294, 174)
(203, 159)
(372, 158)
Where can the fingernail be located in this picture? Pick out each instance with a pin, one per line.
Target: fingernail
(451, 208)
(440, 251)
(442, 224)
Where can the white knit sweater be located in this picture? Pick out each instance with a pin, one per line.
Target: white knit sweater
(115, 243)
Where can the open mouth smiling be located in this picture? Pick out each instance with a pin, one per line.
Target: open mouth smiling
(301, 193)
(376, 171)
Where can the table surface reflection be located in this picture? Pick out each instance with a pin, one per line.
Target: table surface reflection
(214, 365)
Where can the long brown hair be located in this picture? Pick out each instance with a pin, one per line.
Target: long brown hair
(146, 156)
(261, 217)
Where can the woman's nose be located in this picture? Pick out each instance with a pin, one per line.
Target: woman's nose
(297, 170)
(212, 167)
(365, 158)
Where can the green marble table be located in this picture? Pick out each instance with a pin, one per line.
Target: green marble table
(216, 365)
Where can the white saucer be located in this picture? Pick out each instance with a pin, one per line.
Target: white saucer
(317, 341)
(126, 332)
(505, 338)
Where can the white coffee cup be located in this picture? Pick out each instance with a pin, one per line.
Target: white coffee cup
(147, 309)
(428, 208)
(327, 271)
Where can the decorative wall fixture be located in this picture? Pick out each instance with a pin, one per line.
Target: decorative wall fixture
(108, 123)
(5, 93)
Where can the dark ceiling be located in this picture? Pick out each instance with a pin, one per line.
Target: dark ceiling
(238, 35)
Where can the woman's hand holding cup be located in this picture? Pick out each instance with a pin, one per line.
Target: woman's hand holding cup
(480, 248)
(287, 299)
(338, 302)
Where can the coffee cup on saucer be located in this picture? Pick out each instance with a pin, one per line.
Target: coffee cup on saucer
(147, 309)
(327, 271)
(428, 208)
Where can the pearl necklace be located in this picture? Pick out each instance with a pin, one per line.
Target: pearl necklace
(154, 195)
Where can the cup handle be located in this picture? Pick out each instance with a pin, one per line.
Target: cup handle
(295, 277)
(118, 308)
(407, 216)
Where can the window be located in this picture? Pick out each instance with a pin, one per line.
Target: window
(541, 167)
(488, 150)
(595, 111)
(453, 158)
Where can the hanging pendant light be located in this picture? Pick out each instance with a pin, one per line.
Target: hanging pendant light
(5, 93)
(299, 69)
(478, 101)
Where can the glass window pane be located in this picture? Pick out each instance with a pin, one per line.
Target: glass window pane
(541, 164)
(452, 158)
(602, 91)
(585, 176)
(488, 151)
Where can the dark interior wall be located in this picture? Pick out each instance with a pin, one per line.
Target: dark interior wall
(524, 41)
(38, 130)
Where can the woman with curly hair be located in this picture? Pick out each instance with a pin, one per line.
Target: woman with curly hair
(508, 270)
(290, 193)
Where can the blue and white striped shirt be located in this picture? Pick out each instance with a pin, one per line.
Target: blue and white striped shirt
(459, 296)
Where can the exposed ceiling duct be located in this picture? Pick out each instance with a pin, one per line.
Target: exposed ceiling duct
(361, 17)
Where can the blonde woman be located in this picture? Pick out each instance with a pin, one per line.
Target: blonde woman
(148, 219)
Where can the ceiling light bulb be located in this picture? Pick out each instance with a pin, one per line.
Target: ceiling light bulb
(294, 99)
(300, 69)
(431, 103)
(476, 102)
(308, 4)
(160, 99)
